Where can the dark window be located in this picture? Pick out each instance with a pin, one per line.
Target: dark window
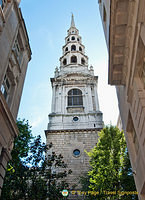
(78, 39)
(73, 38)
(75, 97)
(65, 61)
(2, 3)
(80, 48)
(104, 14)
(75, 119)
(76, 152)
(5, 87)
(66, 49)
(17, 48)
(82, 61)
(68, 39)
(73, 48)
(73, 59)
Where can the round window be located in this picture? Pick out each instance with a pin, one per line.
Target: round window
(75, 119)
(76, 152)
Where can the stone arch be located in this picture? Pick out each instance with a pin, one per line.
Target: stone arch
(66, 49)
(73, 47)
(73, 59)
(72, 38)
(82, 61)
(80, 48)
(75, 97)
(64, 61)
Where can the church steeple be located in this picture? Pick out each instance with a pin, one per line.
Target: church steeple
(73, 50)
(75, 117)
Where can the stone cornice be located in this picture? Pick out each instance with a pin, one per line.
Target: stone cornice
(72, 130)
(125, 17)
(79, 114)
(117, 40)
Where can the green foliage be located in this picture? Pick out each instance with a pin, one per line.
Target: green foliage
(29, 174)
(21, 144)
(84, 181)
(110, 166)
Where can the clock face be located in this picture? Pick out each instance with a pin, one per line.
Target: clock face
(75, 119)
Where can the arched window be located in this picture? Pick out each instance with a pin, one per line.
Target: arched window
(82, 61)
(75, 97)
(66, 49)
(80, 48)
(73, 48)
(73, 59)
(78, 39)
(64, 61)
(68, 39)
(73, 38)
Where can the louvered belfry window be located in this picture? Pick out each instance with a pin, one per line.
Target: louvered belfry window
(75, 97)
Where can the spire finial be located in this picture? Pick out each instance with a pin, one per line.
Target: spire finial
(72, 21)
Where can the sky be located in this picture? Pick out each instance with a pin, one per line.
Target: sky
(47, 24)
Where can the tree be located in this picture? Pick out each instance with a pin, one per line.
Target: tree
(110, 167)
(84, 181)
(30, 172)
(15, 169)
(22, 142)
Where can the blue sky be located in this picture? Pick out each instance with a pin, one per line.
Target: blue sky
(47, 24)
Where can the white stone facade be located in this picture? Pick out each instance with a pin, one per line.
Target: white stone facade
(75, 117)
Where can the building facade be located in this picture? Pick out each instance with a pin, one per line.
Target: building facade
(124, 27)
(75, 118)
(15, 54)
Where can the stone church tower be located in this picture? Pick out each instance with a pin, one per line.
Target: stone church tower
(75, 118)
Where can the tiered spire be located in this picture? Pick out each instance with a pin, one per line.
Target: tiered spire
(73, 50)
(72, 21)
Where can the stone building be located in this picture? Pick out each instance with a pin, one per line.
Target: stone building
(15, 54)
(124, 27)
(75, 118)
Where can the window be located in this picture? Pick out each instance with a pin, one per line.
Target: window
(80, 48)
(73, 48)
(75, 97)
(64, 61)
(76, 152)
(5, 88)
(104, 14)
(75, 119)
(143, 74)
(78, 39)
(73, 38)
(66, 49)
(73, 59)
(82, 61)
(17, 50)
(68, 39)
(2, 3)
(131, 132)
